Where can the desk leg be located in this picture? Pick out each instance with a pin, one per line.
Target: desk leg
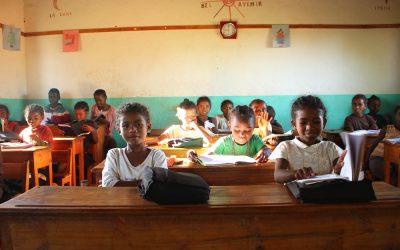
(35, 173)
(387, 171)
(81, 166)
(50, 174)
(398, 172)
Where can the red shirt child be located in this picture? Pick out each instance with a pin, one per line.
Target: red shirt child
(38, 135)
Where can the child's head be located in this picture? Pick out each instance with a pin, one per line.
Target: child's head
(271, 112)
(81, 110)
(54, 96)
(4, 112)
(374, 103)
(100, 98)
(358, 104)
(203, 105)
(186, 112)
(308, 118)
(226, 107)
(258, 106)
(34, 115)
(241, 123)
(133, 122)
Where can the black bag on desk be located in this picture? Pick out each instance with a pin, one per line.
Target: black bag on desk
(165, 186)
(332, 191)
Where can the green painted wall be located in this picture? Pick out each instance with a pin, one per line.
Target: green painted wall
(162, 109)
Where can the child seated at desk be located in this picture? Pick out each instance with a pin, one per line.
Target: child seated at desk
(358, 120)
(242, 141)
(203, 108)
(81, 126)
(374, 104)
(275, 125)
(104, 113)
(376, 161)
(55, 113)
(223, 119)
(307, 155)
(6, 124)
(124, 166)
(186, 113)
(35, 133)
(262, 121)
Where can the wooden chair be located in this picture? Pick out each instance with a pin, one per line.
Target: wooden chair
(63, 156)
(17, 171)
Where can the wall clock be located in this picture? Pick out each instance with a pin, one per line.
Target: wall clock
(228, 29)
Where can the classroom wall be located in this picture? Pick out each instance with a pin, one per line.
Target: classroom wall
(12, 63)
(160, 68)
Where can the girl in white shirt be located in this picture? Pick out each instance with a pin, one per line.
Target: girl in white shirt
(306, 155)
(124, 166)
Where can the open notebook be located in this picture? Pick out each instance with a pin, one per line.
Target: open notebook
(220, 160)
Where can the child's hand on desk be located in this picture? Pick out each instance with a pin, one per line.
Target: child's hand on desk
(340, 162)
(262, 155)
(87, 128)
(35, 140)
(304, 173)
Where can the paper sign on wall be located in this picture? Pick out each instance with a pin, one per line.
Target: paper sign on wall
(280, 36)
(70, 40)
(11, 38)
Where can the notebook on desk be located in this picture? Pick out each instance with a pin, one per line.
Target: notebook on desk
(9, 137)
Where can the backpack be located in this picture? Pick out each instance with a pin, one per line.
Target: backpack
(165, 186)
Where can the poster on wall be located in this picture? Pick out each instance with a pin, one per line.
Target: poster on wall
(70, 40)
(280, 36)
(11, 38)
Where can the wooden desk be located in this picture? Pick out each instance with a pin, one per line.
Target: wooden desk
(76, 144)
(179, 152)
(243, 174)
(232, 175)
(391, 154)
(236, 217)
(38, 156)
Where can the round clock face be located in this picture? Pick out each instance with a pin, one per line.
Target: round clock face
(228, 30)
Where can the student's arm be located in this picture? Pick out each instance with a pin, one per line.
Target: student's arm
(93, 131)
(348, 125)
(372, 123)
(338, 163)
(263, 124)
(128, 183)
(214, 129)
(110, 176)
(208, 138)
(159, 159)
(162, 137)
(282, 172)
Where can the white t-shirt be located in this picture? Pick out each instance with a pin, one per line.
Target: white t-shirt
(222, 122)
(176, 132)
(118, 167)
(319, 156)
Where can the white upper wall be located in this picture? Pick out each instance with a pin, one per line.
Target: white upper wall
(197, 62)
(12, 63)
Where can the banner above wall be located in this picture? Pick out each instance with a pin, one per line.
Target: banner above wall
(11, 38)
